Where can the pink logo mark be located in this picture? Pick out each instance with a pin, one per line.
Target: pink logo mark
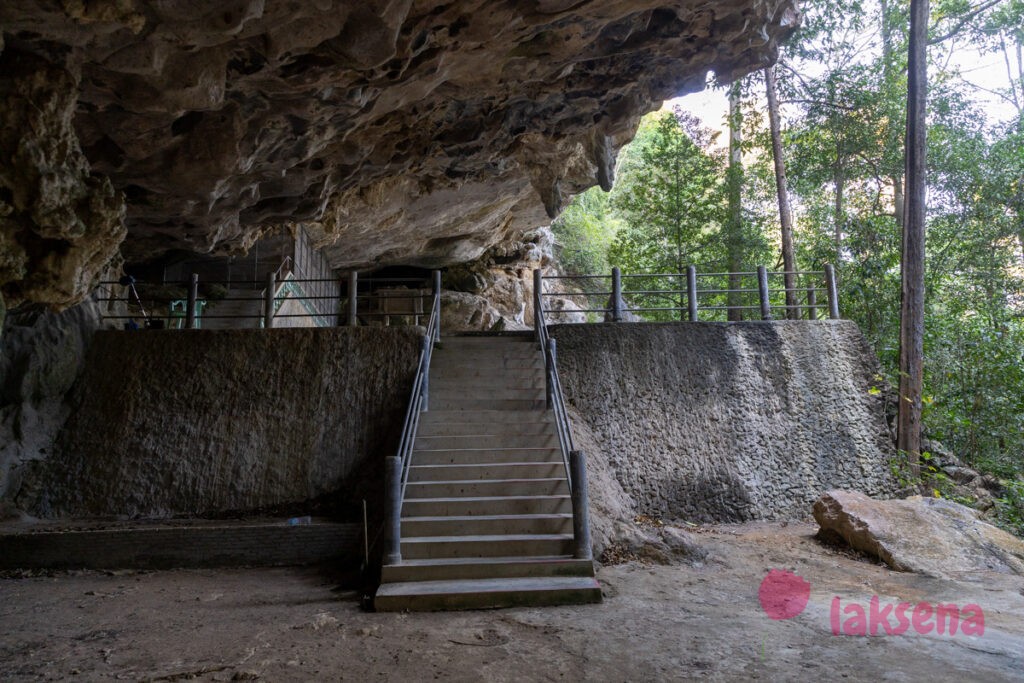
(783, 594)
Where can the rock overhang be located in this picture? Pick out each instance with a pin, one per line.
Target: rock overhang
(395, 131)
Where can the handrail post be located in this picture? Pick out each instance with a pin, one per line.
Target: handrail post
(549, 362)
(691, 291)
(353, 285)
(268, 301)
(538, 301)
(190, 305)
(762, 289)
(426, 345)
(393, 523)
(616, 295)
(812, 303)
(833, 292)
(583, 549)
(436, 303)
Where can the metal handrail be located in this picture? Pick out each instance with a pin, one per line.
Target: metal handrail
(555, 396)
(398, 465)
(821, 282)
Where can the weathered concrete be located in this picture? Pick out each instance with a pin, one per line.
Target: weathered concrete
(724, 422)
(173, 422)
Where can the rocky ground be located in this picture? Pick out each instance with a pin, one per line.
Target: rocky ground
(698, 618)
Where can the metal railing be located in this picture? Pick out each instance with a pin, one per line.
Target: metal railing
(179, 304)
(574, 460)
(693, 295)
(397, 469)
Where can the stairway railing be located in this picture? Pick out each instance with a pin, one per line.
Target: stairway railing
(574, 460)
(397, 468)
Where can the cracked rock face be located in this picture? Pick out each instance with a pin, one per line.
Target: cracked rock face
(398, 131)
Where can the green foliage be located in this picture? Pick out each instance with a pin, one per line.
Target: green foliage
(843, 86)
(584, 233)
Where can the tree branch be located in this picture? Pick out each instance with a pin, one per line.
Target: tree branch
(964, 20)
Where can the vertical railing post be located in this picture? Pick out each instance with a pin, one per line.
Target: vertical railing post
(436, 301)
(616, 295)
(691, 291)
(812, 303)
(268, 301)
(549, 371)
(538, 301)
(393, 501)
(353, 294)
(762, 289)
(190, 304)
(583, 549)
(833, 292)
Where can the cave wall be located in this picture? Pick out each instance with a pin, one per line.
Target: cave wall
(417, 132)
(41, 355)
(169, 423)
(725, 421)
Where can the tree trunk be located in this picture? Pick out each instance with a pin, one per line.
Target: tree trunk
(839, 179)
(785, 214)
(734, 238)
(912, 262)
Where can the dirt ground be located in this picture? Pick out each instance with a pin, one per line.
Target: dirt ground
(701, 619)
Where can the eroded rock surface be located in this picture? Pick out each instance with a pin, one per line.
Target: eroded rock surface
(400, 131)
(925, 535)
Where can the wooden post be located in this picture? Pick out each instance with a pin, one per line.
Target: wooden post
(616, 295)
(538, 302)
(583, 549)
(393, 501)
(353, 286)
(762, 289)
(190, 305)
(268, 301)
(833, 292)
(812, 303)
(691, 291)
(437, 301)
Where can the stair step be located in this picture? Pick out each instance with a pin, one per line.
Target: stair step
(498, 454)
(450, 392)
(526, 425)
(486, 505)
(546, 439)
(468, 404)
(487, 525)
(484, 374)
(486, 545)
(482, 488)
(485, 471)
(425, 596)
(485, 568)
(488, 384)
(485, 415)
(439, 361)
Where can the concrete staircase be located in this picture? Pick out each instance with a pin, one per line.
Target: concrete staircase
(487, 516)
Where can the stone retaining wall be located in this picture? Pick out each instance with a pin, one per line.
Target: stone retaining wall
(725, 422)
(168, 422)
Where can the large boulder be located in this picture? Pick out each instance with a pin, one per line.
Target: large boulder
(930, 536)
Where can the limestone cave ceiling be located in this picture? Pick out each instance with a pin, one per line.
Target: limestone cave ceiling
(415, 131)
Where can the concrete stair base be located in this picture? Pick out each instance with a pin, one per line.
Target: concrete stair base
(487, 517)
(433, 596)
